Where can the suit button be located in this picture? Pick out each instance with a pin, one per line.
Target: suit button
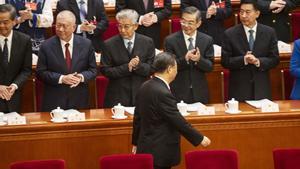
(273, 20)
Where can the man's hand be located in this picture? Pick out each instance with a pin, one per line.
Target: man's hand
(80, 77)
(133, 149)
(212, 10)
(205, 142)
(71, 79)
(195, 56)
(4, 92)
(148, 19)
(87, 27)
(25, 14)
(134, 62)
(250, 58)
(11, 89)
(277, 5)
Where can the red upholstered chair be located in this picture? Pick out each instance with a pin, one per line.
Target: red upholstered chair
(174, 25)
(127, 161)
(295, 21)
(212, 159)
(39, 164)
(286, 158)
(38, 94)
(111, 31)
(225, 84)
(101, 85)
(287, 82)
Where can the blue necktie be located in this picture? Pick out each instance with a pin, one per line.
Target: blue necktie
(5, 53)
(251, 39)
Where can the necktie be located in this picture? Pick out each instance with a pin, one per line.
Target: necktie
(191, 46)
(5, 52)
(68, 56)
(129, 47)
(145, 4)
(251, 39)
(82, 10)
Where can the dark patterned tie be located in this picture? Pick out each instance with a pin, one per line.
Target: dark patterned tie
(251, 39)
(191, 46)
(129, 47)
(68, 57)
(5, 52)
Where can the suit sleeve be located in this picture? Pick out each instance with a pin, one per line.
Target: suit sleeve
(136, 124)
(102, 21)
(42, 70)
(165, 12)
(295, 60)
(91, 71)
(264, 6)
(120, 4)
(109, 69)
(144, 68)
(272, 60)
(207, 58)
(167, 106)
(229, 61)
(223, 13)
(27, 65)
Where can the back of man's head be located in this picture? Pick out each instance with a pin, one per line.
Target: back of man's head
(8, 8)
(162, 61)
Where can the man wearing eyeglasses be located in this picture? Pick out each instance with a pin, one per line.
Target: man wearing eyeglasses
(194, 56)
(126, 60)
(249, 51)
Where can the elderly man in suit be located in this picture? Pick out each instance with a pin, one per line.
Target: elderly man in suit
(213, 13)
(66, 64)
(91, 19)
(249, 51)
(152, 13)
(157, 123)
(15, 60)
(194, 55)
(126, 61)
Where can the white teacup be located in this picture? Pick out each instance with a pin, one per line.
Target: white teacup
(1, 117)
(182, 107)
(57, 114)
(118, 111)
(232, 106)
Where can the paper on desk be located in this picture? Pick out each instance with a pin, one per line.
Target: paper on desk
(258, 103)
(195, 106)
(12, 114)
(284, 47)
(130, 110)
(217, 50)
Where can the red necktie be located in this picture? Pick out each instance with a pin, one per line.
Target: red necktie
(68, 57)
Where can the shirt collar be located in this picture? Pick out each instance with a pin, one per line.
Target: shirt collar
(63, 43)
(186, 37)
(247, 28)
(9, 37)
(131, 40)
(163, 81)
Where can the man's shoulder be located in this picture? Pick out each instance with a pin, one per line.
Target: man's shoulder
(204, 36)
(172, 37)
(265, 28)
(21, 35)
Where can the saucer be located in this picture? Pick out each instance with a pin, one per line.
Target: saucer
(2, 123)
(119, 117)
(185, 114)
(58, 120)
(233, 112)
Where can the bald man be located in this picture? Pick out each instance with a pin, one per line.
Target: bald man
(66, 64)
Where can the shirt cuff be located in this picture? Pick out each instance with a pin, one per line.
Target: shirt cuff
(82, 77)
(16, 86)
(78, 29)
(245, 61)
(258, 63)
(140, 20)
(91, 32)
(60, 79)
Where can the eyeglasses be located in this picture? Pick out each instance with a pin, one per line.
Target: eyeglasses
(125, 26)
(187, 23)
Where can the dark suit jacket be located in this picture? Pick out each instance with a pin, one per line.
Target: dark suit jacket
(280, 22)
(123, 84)
(95, 9)
(51, 65)
(248, 81)
(192, 73)
(157, 124)
(213, 26)
(17, 71)
(138, 5)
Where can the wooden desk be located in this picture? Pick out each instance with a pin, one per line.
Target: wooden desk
(251, 133)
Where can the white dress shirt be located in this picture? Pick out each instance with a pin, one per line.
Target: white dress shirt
(186, 39)
(9, 41)
(131, 40)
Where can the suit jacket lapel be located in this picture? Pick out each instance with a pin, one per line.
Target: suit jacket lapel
(241, 32)
(198, 40)
(136, 47)
(181, 42)
(60, 55)
(90, 11)
(123, 48)
(258, 36)
(14, 50)
(75, 54)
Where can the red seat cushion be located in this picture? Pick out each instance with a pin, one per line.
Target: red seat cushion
(295, 21)
(101, 85)
(175, 25)
(111, 31)
(286, 158)
(127, 161)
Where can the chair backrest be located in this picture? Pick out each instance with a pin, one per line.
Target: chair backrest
(38, 94)
(127, 161)
(112, 30)
(174, 25)
(295, 21)
(39, 164)
(101, 85)
(225, 84)
(212, 159)
(287, 82)
(286, 158)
